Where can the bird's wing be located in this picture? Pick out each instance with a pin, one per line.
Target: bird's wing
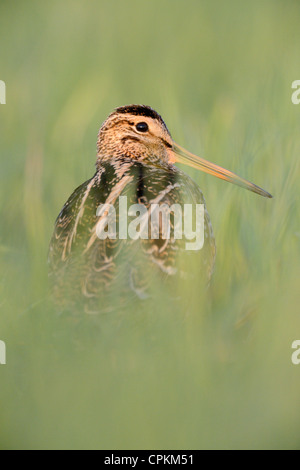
(80, 264)
(83, 266)
(169, 189)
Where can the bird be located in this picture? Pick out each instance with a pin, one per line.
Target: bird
(136, 159)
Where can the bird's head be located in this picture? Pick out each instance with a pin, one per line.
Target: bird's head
(137, 132)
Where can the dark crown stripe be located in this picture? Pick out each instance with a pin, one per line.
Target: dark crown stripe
(140, 110)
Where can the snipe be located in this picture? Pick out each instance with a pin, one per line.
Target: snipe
(136, 158)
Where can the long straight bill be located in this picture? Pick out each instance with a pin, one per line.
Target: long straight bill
(187, 158)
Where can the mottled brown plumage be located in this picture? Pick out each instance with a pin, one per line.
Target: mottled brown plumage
(136, 156)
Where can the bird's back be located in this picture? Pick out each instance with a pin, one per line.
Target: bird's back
(87, 271)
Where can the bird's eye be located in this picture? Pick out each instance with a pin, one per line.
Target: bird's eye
(142, 127)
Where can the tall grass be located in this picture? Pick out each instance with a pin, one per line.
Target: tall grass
(220, 374)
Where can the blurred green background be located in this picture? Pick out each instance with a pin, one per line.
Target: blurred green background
(219, 375)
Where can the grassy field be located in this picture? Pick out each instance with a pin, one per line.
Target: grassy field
(219, 376)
